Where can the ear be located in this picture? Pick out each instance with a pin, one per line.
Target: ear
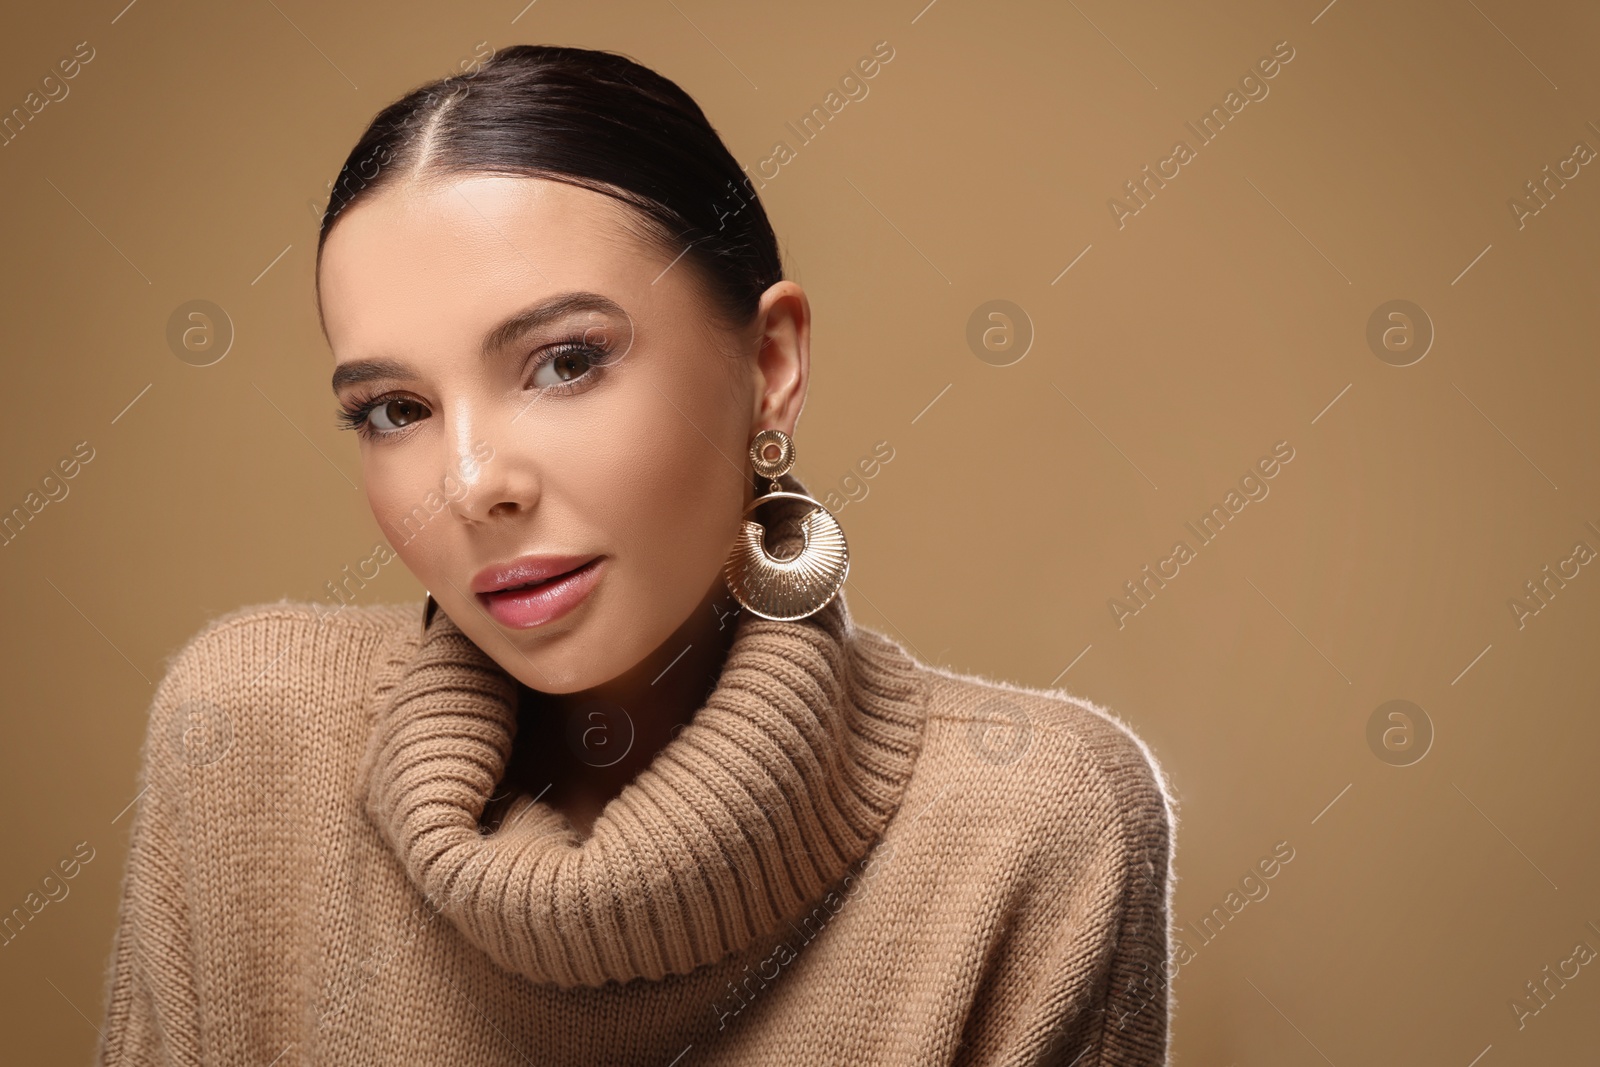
(783, 357)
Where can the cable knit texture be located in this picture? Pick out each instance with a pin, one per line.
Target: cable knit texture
(847, 856)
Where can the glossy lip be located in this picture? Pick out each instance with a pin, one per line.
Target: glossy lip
(565, 582)
(524, 569)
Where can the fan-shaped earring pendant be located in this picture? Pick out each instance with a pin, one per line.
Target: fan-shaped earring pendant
(788, 589)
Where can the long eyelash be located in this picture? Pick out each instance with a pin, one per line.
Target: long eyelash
(353, 415)
(597, 356)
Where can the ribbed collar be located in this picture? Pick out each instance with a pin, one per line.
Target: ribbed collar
(743, 821)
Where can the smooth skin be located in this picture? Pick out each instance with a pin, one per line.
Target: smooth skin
(636, 448)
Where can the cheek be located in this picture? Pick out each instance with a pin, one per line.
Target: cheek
(405, 504)
(677, 484)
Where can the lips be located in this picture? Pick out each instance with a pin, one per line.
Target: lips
(536, 590)
(525, 570)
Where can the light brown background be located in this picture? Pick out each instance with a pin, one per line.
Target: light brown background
(1228, 315)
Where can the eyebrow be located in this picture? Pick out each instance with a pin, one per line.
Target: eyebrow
(535, 315)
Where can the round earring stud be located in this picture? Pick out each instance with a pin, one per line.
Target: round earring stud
(772, 453)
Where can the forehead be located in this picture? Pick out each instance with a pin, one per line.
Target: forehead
(429, 265)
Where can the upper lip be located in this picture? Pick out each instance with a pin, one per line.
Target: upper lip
(524, 570)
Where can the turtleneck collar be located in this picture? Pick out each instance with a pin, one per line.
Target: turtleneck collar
(742, 822)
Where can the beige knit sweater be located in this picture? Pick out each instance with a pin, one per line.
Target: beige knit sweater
(847, 857)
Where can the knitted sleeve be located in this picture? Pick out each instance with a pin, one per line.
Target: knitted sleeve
(1128, 1024)
(152, 1013)
(1138, 992)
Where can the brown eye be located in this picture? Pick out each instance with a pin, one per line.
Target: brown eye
(396, 414)
(568, 365)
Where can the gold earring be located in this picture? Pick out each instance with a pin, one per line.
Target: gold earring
(785, 589)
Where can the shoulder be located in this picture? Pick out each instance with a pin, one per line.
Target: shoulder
(261, 636)
(298, 613)
(266, 665)
(1060, 767)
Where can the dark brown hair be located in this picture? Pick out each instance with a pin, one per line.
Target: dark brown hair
(589, 118)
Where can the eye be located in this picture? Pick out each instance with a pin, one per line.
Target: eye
(567, 365)
(383, 416)
(396, 414)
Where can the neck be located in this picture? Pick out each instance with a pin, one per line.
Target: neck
(583, 748)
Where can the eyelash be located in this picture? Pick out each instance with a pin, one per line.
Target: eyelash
(353, 414)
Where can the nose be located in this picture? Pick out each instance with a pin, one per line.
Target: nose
(494, 481)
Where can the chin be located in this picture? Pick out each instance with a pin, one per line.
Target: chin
(544, 673)
(560, 663)
(581, 656)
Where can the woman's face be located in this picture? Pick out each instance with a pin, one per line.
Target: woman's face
(529, 377)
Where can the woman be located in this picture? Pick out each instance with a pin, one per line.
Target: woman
(631, 787)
